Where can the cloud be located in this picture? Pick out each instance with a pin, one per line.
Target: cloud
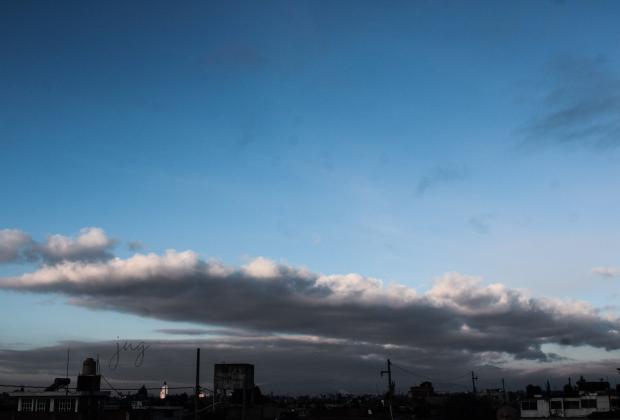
(262, 268)
(481, 224)
(135, 245)
(283, 364)
(459, 312)
(440, 175)
(581, 105)
(13, 243)
(91, 244)
(184, 331)
(606, 271)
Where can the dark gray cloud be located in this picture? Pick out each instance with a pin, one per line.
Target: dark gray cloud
(284, 365)
(91, 244)
(289, 365)
(135, 245)
(581, 105)
(440, 175)
(459, 312)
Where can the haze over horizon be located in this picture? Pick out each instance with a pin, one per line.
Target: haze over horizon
(312, 187)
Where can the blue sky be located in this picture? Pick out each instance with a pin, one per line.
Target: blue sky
(398, 140)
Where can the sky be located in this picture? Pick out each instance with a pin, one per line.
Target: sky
(313, 187)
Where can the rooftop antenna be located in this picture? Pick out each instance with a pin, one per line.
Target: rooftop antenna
(67, 374)
(197, 389)
(474, 379)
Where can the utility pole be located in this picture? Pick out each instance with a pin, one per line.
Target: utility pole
(474, 378)
(504, 389)
(549, 396)
(67, 375)
(390, 392)
(197, 383)
(243, 405)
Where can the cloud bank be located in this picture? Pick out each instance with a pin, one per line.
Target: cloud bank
(284, 364)
(270, 311)
(458, 312)
(287, 364)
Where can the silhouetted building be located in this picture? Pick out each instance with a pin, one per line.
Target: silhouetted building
(592, 386)
(89, 380)
(85, 402)
(424, 390)
(58, 384)
(231, 377)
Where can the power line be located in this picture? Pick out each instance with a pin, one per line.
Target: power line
(411, 372)
(110, 385)
(112, 388)
(433, 380)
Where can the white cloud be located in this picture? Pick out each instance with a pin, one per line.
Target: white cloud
(12, 243)
(91, 243)
(606, 271)
(365, 289)
(171, 265)
(262, 268)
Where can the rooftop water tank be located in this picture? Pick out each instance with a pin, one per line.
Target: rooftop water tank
(89, 367)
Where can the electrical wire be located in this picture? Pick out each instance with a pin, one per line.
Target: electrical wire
(110, 385)
(112, 388)
(433, 380)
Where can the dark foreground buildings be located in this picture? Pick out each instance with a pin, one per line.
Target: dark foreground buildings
(236, 397)
(60, 401)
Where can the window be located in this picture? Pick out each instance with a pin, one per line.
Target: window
(588, 403)
(41, 405)
(556, 404)
(63, 405)
(571, 404)
(529, 405)
(27, 404)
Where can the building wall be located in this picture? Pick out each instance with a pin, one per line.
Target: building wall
(233, 376)
(544, 410)
(52, 404)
